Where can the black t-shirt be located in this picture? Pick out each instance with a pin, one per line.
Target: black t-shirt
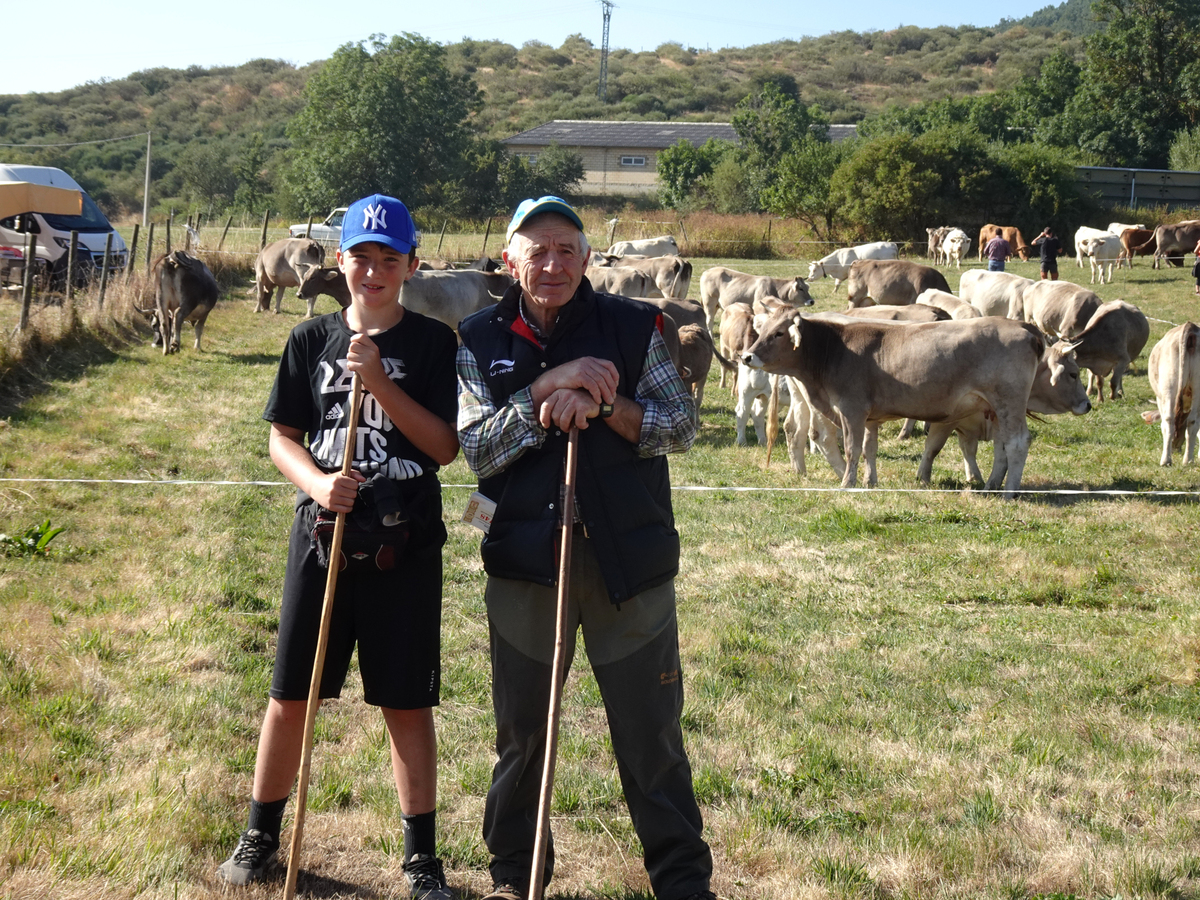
(1050, 247)
(312, 391)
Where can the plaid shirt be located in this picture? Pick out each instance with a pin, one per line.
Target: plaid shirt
(494, 437)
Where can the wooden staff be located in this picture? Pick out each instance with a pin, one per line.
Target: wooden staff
(536, 879)
(314, 687)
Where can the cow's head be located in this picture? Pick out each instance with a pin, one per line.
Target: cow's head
(1057, 386)
(779, 339)
(797, 293)
(814, 267)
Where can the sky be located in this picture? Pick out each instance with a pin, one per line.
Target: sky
(85, 42)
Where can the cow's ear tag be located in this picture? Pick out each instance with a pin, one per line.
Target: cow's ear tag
(794, 332)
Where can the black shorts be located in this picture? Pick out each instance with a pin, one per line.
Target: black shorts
(1050, 267)
(394, 617)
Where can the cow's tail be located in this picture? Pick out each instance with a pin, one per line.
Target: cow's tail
(773, 417)
(1149, 241)
(727, 365)
(1189, 346)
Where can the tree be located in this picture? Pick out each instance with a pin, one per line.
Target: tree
(681, 166)
(390, 118)
(887, 190)
(1141, 81)
(800, 188)
(1185, 150)
(772, 124)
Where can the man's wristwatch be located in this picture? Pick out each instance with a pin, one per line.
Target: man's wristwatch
(606, 410)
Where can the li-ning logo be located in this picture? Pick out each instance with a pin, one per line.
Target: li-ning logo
(501, 366)
(375, 217)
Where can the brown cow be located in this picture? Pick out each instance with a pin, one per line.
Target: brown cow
(891, 282)
(1177, 239)
(1136, 240)
(862, 373)
(282, 265)
(1010, 233)
(696, 353)
(1114, 336)
(1060, 308)
(184, 291)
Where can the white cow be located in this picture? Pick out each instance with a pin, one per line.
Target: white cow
(994, 293)
(1119, 228)
(958, 309)
(663, 245)
(1101, 251)
(955, 246)
(1174, 372)
(1080, 235)
(837, 264)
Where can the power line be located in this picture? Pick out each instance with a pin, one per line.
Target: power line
(79, 143)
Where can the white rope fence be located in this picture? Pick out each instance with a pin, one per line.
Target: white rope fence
(692, 488)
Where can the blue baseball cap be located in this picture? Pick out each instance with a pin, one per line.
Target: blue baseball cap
(529, 208)
(382, 219)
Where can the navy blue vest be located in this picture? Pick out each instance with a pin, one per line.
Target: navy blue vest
(624, 500)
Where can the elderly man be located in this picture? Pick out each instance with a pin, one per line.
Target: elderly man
(554, 353)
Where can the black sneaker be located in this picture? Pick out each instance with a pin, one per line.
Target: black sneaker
(426, 878)
(253, 855)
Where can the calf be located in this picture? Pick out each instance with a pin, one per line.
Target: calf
(862, 373)
(282, 265)
(947, 303)
(184, 291)
(1102, 251)
(1174, 371)
(696, 353)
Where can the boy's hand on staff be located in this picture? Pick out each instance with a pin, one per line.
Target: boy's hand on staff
(363, 358)
(335, 491)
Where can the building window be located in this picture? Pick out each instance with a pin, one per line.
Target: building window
(633, 160)
(530, 158)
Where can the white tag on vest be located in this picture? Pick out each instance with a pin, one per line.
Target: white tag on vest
(479, 512)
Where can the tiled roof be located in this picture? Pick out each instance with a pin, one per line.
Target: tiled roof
(658, 135)
(579, 133)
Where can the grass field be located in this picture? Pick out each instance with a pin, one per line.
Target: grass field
(890, 694)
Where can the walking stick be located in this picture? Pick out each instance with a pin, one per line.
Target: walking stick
(536, 879)
(314, 686)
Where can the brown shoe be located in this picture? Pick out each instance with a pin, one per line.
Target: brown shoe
(505, 891)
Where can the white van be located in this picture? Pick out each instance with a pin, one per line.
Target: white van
(54, 232)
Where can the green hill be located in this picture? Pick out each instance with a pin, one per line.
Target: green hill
(1074, 16)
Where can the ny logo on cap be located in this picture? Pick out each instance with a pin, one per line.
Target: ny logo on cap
(375, 217)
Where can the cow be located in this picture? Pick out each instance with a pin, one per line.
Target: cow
(891, 282)
(737, 333)
(1011, 233)
(282, 265)
(184, 291)
(696, 353)
(1119, 228)
(1056, 389)
(663, 245)
(437, 265)
(1139, 241)
(995, 293)
(671, 275)
(837, 264)
(1179, 239)
(720, 287)
(862, 373)
(621, 281)
(947, 303)
(486, 264)
(1113, 338)
(1081, 234)
(1059, 307)
(913, 313)
(956, 244)
(450, 297)
(328, 280)
(1174, 371)
(1101, 251)
(684, 312)
(934, 246)
(804, 424)
(754, 387)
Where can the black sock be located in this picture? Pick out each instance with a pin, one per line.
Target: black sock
(267, 817)
(420, 834)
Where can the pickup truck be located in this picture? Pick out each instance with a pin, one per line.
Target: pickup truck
(328, 232)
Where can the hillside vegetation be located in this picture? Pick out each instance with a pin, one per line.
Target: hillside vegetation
(218, 129)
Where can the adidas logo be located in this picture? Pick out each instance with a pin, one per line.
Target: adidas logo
(335, 413)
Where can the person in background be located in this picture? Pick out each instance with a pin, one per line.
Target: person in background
(997, 251)
(1050, 247)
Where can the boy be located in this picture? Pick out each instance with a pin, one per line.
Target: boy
(405, 431)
